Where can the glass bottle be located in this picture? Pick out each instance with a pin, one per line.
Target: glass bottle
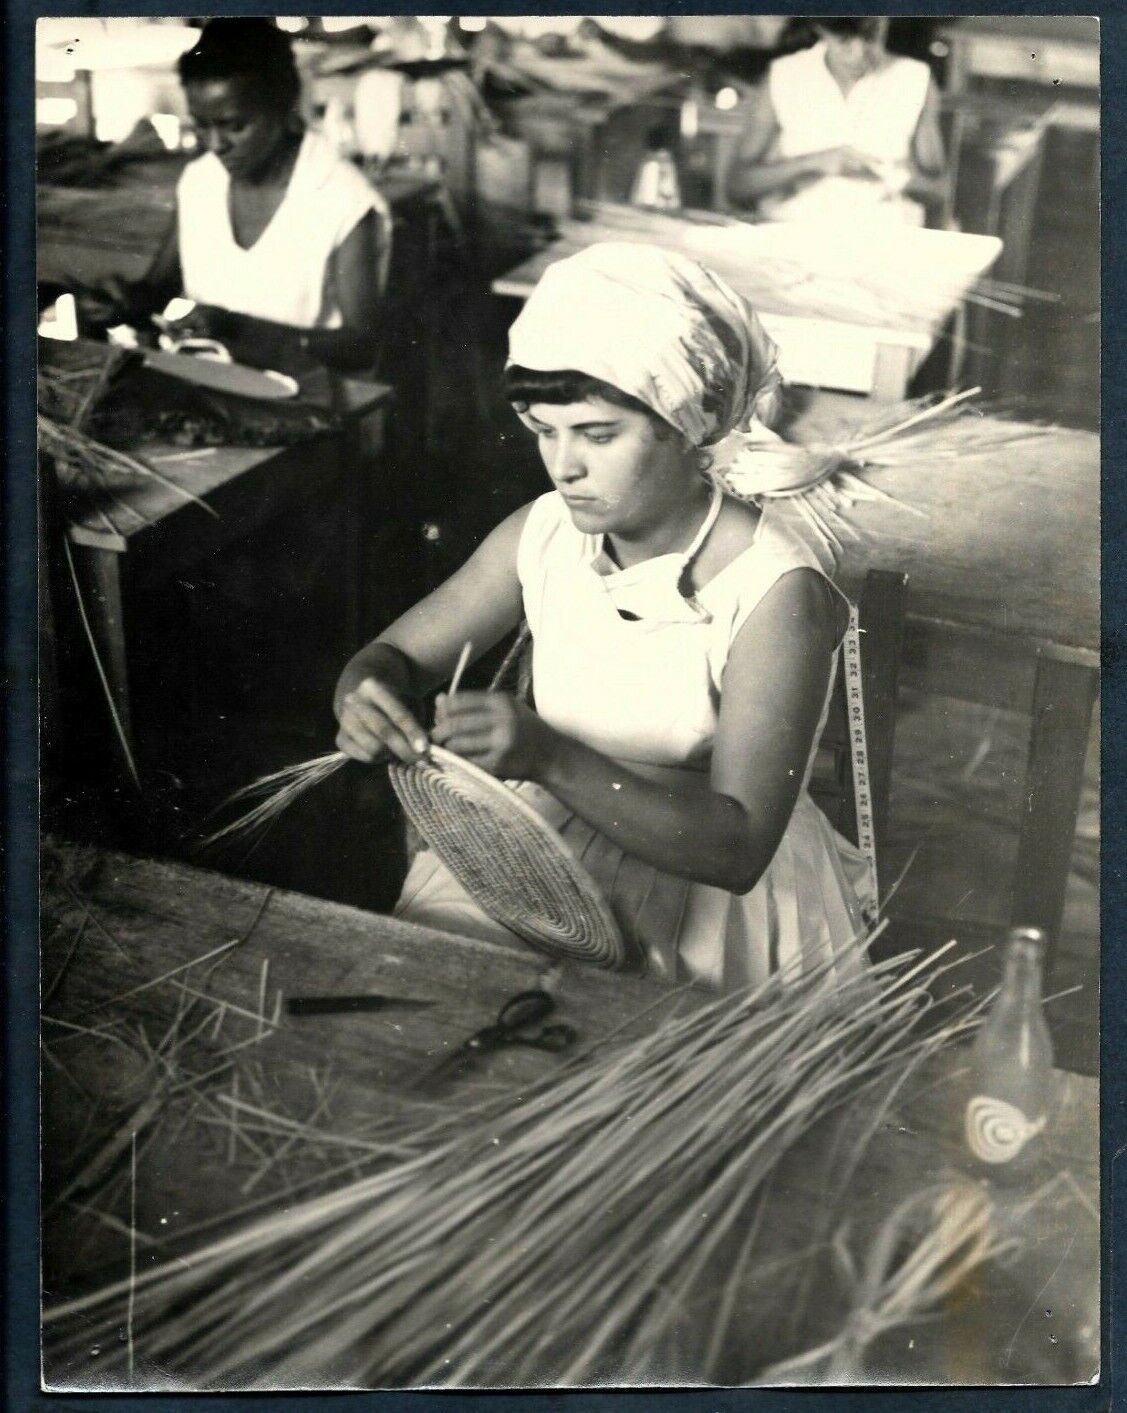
(657, 184)
(1007, 1110)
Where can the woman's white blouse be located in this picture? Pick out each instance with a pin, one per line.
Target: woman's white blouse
(878, 115)
(643, 688)
(282, 276)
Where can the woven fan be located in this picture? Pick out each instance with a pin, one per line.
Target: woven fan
(509, 859)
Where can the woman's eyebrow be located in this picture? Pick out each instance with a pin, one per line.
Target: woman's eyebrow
(578, 426)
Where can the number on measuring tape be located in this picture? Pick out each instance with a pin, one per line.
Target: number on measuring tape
(859, 751)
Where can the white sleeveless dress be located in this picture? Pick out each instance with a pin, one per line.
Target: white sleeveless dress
(644, 689)
(281, 277)
(878, 116)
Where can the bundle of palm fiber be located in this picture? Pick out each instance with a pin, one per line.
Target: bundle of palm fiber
(85, 465)
(923, 1254)
(823, 480)
(89, 471)
(564, 1236)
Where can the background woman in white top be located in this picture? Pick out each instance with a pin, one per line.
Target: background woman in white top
(684, 643)
(841, 121)
(282, 244)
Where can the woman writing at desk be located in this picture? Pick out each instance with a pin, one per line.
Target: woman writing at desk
(841, 128)
(684, 643)
(281, 243)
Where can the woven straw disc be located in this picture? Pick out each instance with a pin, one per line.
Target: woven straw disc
(509, 859)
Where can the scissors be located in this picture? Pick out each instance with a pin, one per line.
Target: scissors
(513, 1026)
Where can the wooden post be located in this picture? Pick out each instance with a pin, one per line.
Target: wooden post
(1064, 693)
(893, 367)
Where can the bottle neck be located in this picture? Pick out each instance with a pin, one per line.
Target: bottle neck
(1021, 980)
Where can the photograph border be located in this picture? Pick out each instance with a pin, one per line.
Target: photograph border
(21, 1136)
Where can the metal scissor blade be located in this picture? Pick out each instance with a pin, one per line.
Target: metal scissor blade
(346, 1005)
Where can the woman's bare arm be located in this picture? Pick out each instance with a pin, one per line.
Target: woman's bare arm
(756, 169)
(478, 604)
(357, 269)
(929, 159)
(119, 301)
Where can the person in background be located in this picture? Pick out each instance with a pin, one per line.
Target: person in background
(840, 127)
(282, 244)
(684, 643)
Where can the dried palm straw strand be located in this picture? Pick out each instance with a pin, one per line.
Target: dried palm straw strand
(556, 1237)
(99, 464)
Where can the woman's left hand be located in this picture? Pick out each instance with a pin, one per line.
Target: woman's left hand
(495, 732)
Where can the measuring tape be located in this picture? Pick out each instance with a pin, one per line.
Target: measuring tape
(859, 752)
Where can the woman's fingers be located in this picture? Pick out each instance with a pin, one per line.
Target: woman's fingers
(374, 720)
(464, 717)
(360, 745)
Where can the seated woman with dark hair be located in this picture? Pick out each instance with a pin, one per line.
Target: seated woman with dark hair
(841, 127)
(684, 644)
(272, 226)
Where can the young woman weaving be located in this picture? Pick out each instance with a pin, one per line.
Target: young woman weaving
(684, 643)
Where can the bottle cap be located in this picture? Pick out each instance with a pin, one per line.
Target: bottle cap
(1027, 943)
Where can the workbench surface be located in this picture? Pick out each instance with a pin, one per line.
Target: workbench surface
(129, 944)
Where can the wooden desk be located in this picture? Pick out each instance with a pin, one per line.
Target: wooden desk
(155, 534)
(148, 924)
(1010, 545)
(857, 313)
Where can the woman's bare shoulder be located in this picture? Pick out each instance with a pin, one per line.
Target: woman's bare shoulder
(732, 535)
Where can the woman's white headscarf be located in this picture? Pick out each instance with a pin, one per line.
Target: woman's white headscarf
(659, 326)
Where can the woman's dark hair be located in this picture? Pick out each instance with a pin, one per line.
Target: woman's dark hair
(524, 386)
(253, 50)
(867, 26)
(802, 30)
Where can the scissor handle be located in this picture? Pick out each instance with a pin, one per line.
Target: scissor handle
(524, 1009)
(498, 1037)
(553, 1037)
(493, 1037)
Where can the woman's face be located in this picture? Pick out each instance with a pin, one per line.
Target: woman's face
(616, 471)
(852, 55)
(232, 122)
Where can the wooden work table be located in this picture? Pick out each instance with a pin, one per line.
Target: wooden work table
(128, 943)
(859, 315)
(153, 531)
(1005, 543)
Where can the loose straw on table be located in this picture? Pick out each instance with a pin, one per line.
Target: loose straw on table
(550, 1237)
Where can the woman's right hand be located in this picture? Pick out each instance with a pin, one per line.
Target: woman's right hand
(100, 308)
(376, 726)
(831, 162)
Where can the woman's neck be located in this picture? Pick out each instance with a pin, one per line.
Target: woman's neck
(674, 532)
(278, 168)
